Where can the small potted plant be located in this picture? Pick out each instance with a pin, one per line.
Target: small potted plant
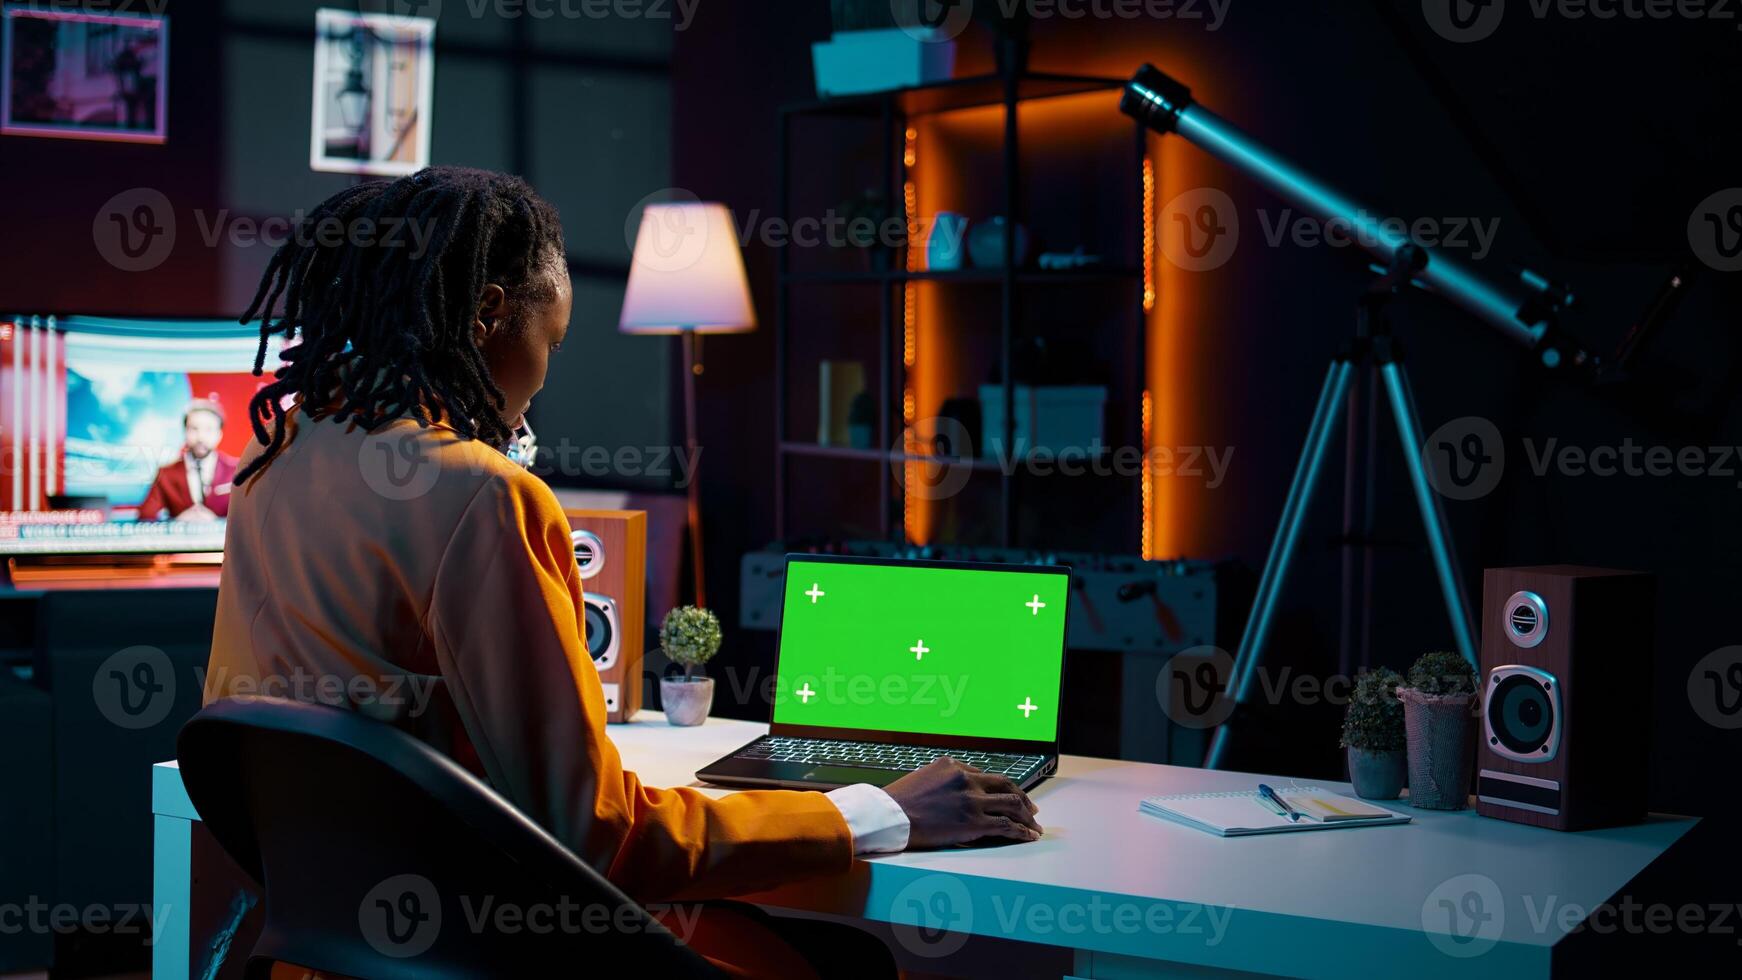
(1439, 698)
(690, 636)
(1373, 734)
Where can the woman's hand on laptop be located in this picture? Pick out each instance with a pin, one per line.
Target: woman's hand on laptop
(948, 802)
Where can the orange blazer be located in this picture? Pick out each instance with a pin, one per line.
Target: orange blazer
(425, 580)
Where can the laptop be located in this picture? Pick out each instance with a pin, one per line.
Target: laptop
(885, 664)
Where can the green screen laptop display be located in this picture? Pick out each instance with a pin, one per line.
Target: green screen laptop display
(903, 648)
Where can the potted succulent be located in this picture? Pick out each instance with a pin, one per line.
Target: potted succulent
(690, 636)
(1373, 734)
(1439, 698)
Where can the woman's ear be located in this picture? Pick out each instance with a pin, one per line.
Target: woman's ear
(492, 312)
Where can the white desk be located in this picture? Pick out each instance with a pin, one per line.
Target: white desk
(1137, 896)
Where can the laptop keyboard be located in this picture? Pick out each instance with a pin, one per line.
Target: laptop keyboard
(877, 755)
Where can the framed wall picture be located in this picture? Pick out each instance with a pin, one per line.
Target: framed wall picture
(79, 75)
(373, 84)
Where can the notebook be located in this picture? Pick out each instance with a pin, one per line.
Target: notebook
(1243, 813)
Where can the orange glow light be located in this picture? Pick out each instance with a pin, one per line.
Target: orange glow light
(1148, 235)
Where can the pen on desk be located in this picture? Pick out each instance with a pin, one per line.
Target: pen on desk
(1272, 796)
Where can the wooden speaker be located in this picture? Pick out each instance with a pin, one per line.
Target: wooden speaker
(1566, 696)
(611, 548)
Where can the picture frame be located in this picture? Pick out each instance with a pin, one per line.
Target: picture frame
(374, 82)
(73, 74)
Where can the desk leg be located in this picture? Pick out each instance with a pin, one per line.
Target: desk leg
(171, 896)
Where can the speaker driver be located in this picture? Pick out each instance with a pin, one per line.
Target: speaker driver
(1522, 717)
(589, 552)
(604, 639)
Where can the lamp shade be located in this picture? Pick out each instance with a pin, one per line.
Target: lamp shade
(687, 273)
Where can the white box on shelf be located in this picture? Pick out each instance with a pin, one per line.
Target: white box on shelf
(1050, 417)
(856, 62)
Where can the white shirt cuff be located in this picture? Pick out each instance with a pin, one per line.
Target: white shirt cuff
(879, 825)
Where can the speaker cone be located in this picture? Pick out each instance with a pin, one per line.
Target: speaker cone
(603, 640)
(1522, 714)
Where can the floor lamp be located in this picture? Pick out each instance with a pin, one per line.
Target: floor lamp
(687, 277)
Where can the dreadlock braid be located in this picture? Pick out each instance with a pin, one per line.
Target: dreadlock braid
(386, 327)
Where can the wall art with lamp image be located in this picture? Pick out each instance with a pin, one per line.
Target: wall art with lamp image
(374, 78)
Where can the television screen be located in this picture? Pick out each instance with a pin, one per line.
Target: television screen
(121, 436)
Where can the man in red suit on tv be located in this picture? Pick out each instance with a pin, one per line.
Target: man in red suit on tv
(196, 487)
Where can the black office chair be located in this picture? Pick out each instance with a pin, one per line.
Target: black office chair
(380, 857)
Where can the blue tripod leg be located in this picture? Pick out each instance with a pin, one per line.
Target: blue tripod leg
(1300, 492)
(1433, 516)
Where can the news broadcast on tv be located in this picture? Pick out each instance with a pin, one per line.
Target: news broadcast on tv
(120, 436)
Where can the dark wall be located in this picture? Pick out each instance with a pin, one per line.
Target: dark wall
(1589, 142)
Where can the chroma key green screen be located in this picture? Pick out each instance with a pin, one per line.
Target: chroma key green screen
(916, 648)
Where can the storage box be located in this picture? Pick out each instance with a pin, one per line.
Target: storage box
(855, 62)
(1051, 418)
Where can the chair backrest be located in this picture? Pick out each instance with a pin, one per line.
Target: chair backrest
(378, 856)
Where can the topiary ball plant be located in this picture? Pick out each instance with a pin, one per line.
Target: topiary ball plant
(690, 636)
(1374, 721)
(1442, 672)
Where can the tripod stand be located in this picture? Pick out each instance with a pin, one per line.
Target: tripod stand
(1373, 352)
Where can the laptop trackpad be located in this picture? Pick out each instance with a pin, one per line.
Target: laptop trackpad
(846, 775)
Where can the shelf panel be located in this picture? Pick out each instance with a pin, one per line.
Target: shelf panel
(813, 450)
(1100, 463)
(982, 276)
(957, 93)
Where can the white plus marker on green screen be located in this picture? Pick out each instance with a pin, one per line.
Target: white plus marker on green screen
(1027, 707)
(919, 650)
(1035, 605)
(815, 592)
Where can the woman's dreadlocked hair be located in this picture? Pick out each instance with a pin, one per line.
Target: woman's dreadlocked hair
(386, 327)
